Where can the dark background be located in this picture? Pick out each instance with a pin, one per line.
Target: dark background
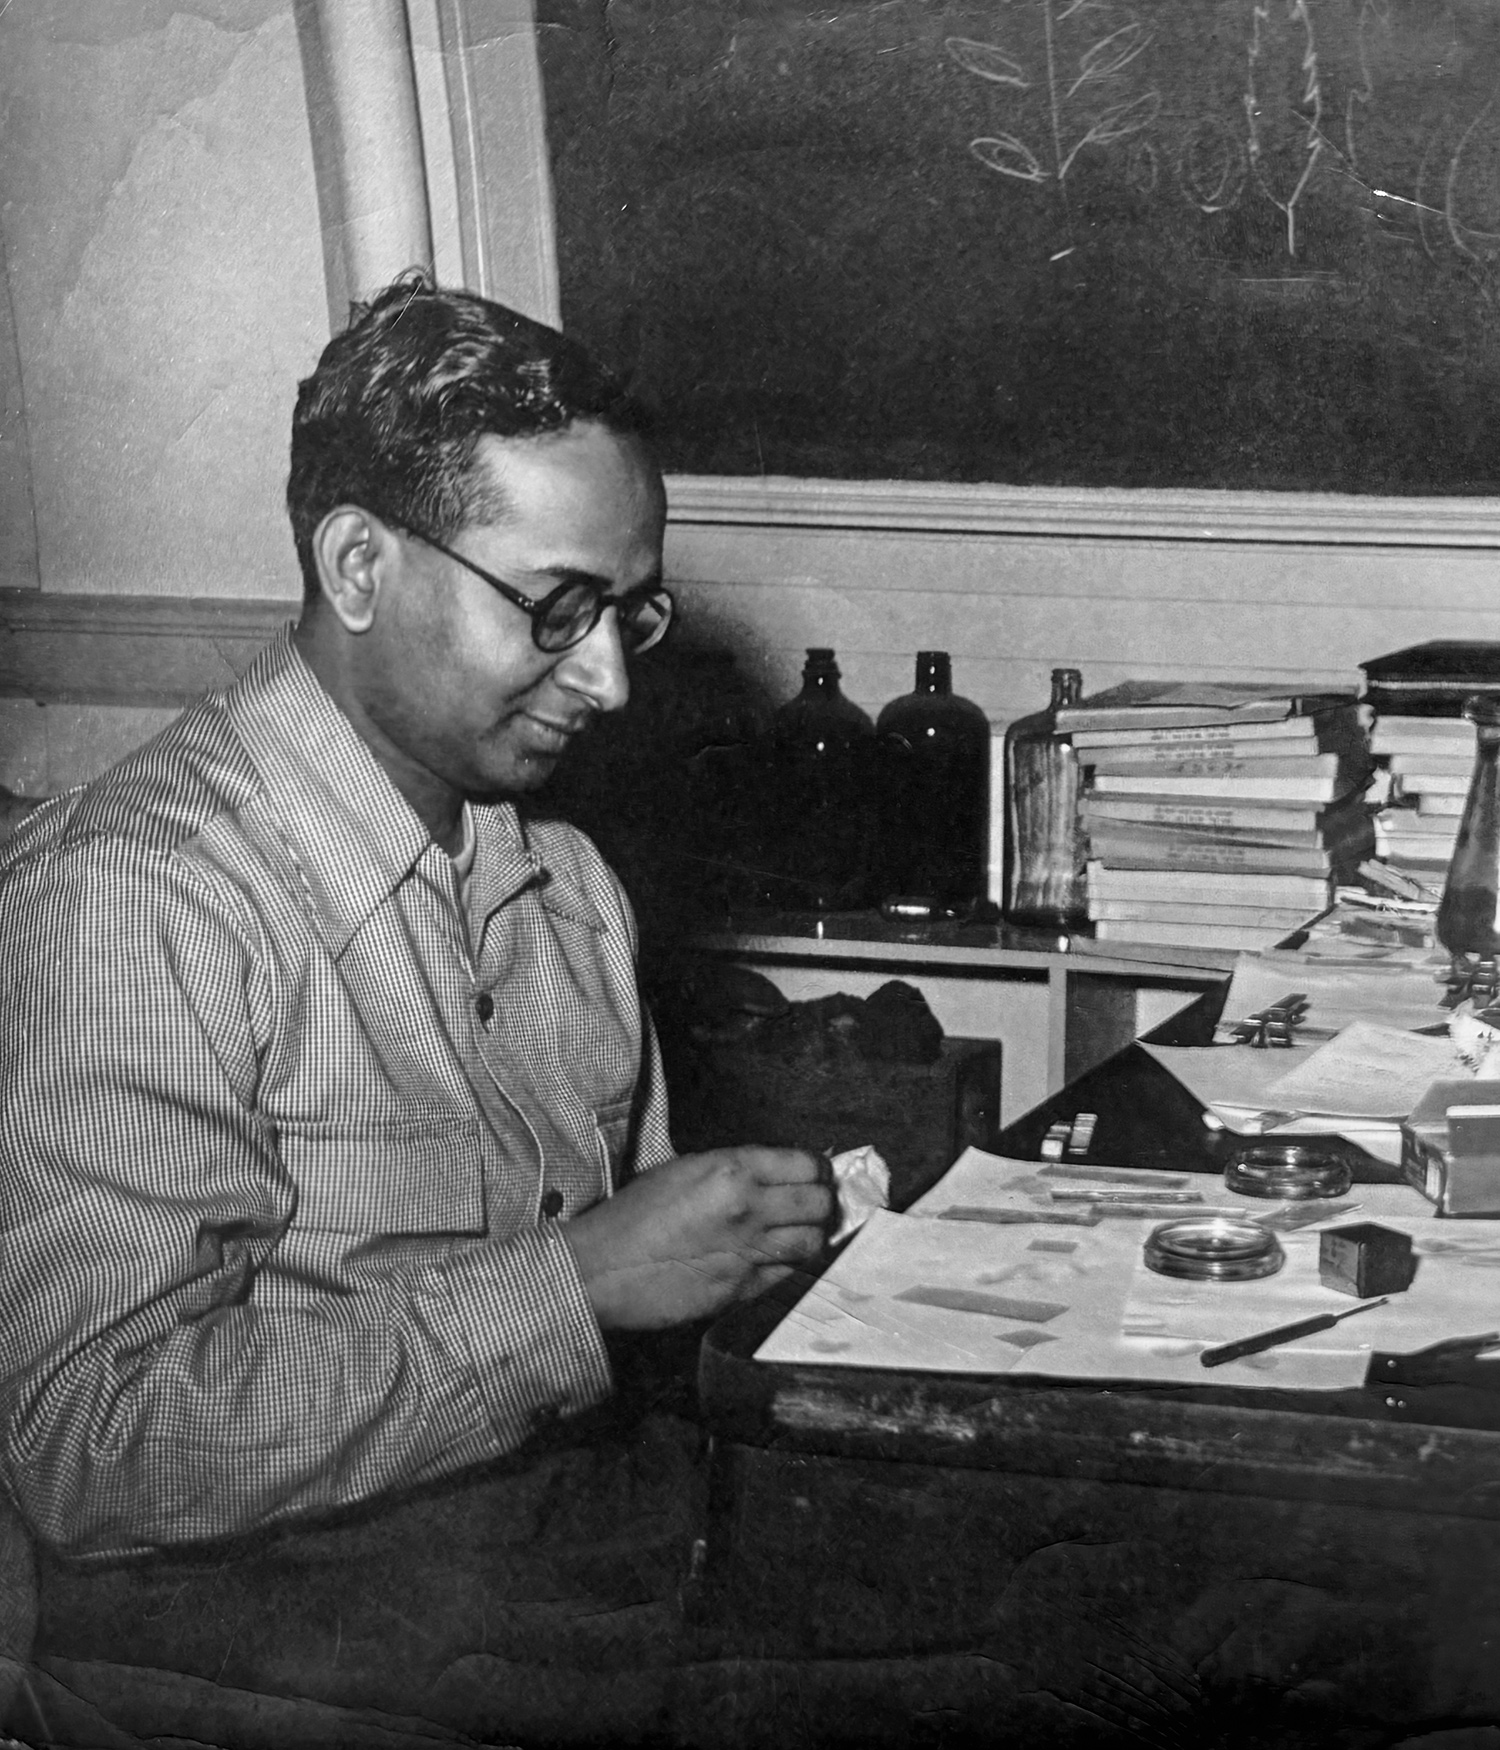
(1271, 260)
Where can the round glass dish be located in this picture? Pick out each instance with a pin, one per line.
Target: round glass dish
(1214, 1248)
(1288, 1170)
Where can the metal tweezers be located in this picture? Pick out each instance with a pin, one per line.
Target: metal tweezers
(1273, 1025)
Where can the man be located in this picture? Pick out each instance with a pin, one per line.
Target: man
(326, 1096)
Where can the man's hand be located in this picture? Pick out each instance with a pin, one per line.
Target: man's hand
(689, 1237)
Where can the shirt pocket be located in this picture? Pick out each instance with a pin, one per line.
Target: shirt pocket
(414, 1177)
(613, 1122)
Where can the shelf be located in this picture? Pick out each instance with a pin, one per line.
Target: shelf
(1093, 990)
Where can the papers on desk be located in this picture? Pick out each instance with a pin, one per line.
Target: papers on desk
(1391, 987)
(964, 1297)
(1234, 1082)
(1367, 1071)
(1359, 1085)
(947, 1289)
(1453, 1294)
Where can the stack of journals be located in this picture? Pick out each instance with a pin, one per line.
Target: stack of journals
(1218, 815)
(1431, 760)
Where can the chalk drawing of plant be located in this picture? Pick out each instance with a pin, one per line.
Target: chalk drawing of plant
(1284, 106)
(1078, 74)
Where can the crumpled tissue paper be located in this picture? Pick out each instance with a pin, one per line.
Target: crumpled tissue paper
(862, 1181)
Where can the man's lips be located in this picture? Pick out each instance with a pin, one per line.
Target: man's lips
(556, 734)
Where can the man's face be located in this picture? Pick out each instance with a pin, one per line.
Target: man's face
(454, 685)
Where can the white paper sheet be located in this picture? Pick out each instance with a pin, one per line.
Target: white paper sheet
(924, 1292)
(1368, 1071)
(853, 1315)
(1395, 987)
(1456, 1292)
(1232, 1081)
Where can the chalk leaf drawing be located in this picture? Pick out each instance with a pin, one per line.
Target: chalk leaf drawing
(1077, 72)
(1211, 166)
(1284, 106)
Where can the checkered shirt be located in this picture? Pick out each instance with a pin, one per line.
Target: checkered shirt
(286, 1138)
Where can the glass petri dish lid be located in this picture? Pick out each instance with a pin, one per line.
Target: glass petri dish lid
(1213, 1248)
(1288, 1171)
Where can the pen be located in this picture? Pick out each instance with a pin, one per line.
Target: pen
(1282, 1334)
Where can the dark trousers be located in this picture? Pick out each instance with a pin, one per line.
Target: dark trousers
(538, 1601)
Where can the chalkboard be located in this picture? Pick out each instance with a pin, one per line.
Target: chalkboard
(1222, 243)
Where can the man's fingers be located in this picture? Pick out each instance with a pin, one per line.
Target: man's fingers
(794, 1205)
(785, 1166)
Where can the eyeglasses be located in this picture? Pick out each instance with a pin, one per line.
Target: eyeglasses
(566, 615)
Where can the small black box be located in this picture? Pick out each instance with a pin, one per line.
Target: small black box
(1365, 1259)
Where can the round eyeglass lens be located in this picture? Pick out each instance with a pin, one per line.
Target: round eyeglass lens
(643, 620)
(569, 620)
(574, 615)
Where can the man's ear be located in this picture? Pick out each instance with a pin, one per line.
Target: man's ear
(353, 551)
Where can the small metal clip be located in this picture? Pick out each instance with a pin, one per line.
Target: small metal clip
(1273, 1025)
(1470, 979)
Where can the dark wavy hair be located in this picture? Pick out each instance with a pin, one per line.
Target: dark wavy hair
(390, 418)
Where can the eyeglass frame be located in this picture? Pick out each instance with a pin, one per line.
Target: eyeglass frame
(536, 608)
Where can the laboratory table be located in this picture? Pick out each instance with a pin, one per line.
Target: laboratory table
(943, 1559)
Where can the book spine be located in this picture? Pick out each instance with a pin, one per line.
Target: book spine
(1146, 832)
(1410, 747)
(1167, 911)
(1431, 784)
(1294, 817)
(1200, 886)
(1243, 786)
(1309, 765)
(1198, 734)
(1122, 853)
(1460, 766)
(1228, 936)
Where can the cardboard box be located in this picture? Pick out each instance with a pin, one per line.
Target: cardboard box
(1455, 1167)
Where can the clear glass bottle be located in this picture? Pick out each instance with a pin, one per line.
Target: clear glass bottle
(1468, 918)
(1045, 846)
(933, 754)
(818, 799)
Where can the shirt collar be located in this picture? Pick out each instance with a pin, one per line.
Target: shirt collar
(354, 836)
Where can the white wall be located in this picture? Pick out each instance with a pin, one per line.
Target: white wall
(161, 242)
(1013, 583)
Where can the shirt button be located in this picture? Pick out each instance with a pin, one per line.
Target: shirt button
(484, 1007)
(552, 1204)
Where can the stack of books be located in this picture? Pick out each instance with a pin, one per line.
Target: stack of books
(1426, 744)
(1431, 760)
(1218, 816)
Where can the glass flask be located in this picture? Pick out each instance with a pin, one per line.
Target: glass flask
(933, 763)
(818, 797)
(1046, 848)
(1468, 918)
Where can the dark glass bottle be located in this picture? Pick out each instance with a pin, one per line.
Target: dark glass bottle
(1468, 918)
(818, 797)
(933, 753)
(1045, 846)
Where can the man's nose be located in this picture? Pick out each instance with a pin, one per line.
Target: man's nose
(595, 667)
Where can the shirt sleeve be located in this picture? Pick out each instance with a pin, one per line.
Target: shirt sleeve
(653, 1138)
(158, 1382)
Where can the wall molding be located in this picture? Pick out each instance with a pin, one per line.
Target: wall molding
(127, 650)
(1076, 513)
(157, 650)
